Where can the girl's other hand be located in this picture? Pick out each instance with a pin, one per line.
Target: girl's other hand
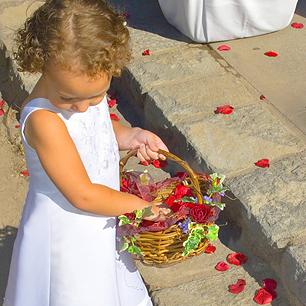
(156, 212)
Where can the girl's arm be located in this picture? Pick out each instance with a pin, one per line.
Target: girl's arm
(48, 135)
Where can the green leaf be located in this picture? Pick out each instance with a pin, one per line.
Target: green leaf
(134, 249)
(213, 231)
(138, 213)
(188, 200)
(123, 220)
(220, 205)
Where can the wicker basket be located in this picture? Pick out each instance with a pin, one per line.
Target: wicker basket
(166, 247)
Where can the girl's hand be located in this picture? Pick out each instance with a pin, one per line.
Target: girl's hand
(148, 145)
(156, 212)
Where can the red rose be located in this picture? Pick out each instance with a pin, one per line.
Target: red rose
(181, 191)
(170, 200)
(176, 206)
(200, 213)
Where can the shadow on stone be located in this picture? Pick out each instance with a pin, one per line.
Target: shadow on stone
(11, 86)
(147, 16)
(301, 8)
(7, 238)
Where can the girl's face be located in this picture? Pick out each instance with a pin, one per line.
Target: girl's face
(74, 92)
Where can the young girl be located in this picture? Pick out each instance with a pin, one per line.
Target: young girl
(65, 250)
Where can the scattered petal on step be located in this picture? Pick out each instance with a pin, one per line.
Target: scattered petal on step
(224, 48)
(238, 287)
(146, 52)
(222, 266)
(236, 259)
(269, 284)
(271, 53)
(210, 249)
(262, 97)
(224, 109)
(263, 296)
(25, 173)
(263, 163)
(297, 25)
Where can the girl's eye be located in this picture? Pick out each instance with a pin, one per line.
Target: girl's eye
(76, 100)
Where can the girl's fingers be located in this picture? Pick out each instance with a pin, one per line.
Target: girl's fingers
(140, 157)
(143, 151)
(153, 155)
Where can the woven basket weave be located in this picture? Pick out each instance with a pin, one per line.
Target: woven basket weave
(166, 247)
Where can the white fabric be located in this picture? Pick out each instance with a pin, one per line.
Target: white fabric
(63, 256)
(218, 20)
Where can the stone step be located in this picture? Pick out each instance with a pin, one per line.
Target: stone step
(175, 92)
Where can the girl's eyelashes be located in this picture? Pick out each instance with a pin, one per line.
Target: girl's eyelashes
(77, 99)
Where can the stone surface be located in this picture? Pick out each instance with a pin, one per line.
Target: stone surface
(293, 268)
(175, 286)
(274, 198)
(181, 65)
(231, 143)
(280, 79)
(214, 137)
(205, 94)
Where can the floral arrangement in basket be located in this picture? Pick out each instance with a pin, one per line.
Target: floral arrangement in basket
(195, 201)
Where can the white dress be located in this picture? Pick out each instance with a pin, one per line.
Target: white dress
(64, 256)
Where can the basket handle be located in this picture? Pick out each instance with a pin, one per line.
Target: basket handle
(193, 177)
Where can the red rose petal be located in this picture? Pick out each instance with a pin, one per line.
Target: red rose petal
(263, 163)
(114, 117)
(210, 249)
(238, 287)
(17, 126)
(159, 163)
(111, 102)
(2, 102)
(25, 173)
(271, 53)
(224, 109)
(224, 48)
(297, 25)
(144, 163)
(262, 97)
(222, 266)
(146, 52)
(263, 296)
(1, 112)
(236, 259)
(269, 284)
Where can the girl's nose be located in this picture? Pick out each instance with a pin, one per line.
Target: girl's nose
(80, 107)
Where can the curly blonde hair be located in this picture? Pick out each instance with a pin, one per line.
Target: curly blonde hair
(86, 33)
